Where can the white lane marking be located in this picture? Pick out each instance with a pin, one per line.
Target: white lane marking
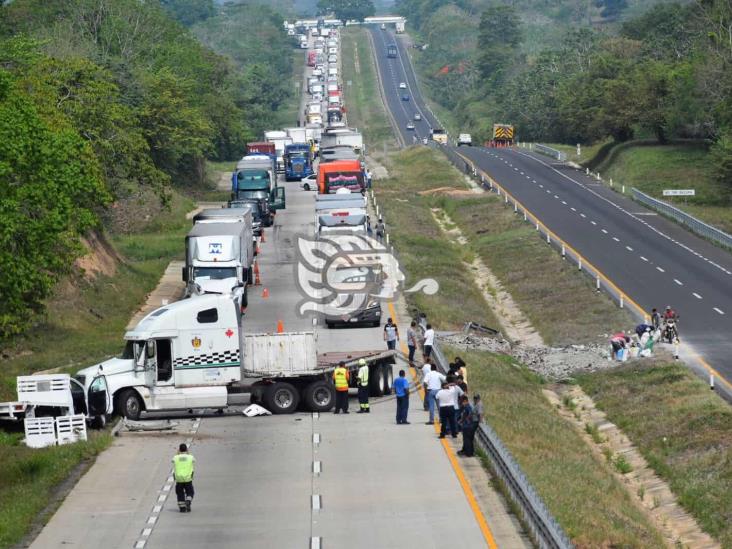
(563, 202)
(162, 497)
(696, 295)
(678, 282)
(604, 231)
(555, 196)
(315, 543)
(548, 191)
(316, 467)
(660, 269)
(629, 248)
(146, 532)
(157, 509)
(316, 438)
(643, 258)
(316, 503)
(522, 173)
(316, 415)
(140, 544)
(583, 215)
(151, 520)
(533, 180)
(541, 186)
(721, 312)
(616, 239)
(593, 222)
(573, 209)
(166, 488)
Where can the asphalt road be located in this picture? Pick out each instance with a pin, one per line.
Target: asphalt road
(652, 260)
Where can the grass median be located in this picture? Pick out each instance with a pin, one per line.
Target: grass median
(682, 429)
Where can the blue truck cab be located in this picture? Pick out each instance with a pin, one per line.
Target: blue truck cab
(298, 161)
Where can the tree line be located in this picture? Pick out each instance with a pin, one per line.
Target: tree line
(664, 73)
(100, 100)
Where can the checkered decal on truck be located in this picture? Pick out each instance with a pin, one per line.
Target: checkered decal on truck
(212, 360)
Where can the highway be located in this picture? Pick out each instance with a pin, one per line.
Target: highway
(652, 260)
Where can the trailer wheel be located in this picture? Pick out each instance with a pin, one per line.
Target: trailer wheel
(388, 378)
(306, 186)
(129, 404)
(319, 396)
(376, 381)
(281, 398)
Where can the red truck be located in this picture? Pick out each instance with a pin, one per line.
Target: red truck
(312, 56)
(340, 174)
(261, 147)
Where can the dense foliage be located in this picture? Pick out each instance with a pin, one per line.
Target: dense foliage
(573, 72)
(107, 100)
(347, 10)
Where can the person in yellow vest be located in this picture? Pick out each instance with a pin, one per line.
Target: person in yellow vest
(363, 387)
(183, 464)
(341, 377)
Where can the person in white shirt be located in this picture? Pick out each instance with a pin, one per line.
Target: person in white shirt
(426, 369)
(447, 398)
(433, 382)
(429, 340)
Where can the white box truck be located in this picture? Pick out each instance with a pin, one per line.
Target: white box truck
(280, 139)
(298, 134)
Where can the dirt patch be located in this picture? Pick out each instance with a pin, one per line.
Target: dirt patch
(446, 191)
(101, 258)
(223, 181)
(378, 170)
(132, 212)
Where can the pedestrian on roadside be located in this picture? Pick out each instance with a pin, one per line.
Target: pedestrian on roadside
(474, 417)
(463, 418)
(401, 387)
(341, 378)
(363, 387)
(380, 229)
(434, 383)
(446, 399)
(461, 368)
(655, 319)
(412, 341)
(183, 465)
(426, 369)
(391, 334)
(429, 340)
(458, 393)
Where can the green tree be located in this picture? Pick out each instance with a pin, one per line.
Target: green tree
(499, 36)
(189, 12)
(347, 10)
(51, 190)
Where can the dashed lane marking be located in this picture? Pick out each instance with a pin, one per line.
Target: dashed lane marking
(643, 258)
(316, 502)
(678, 282)
(629, 248)
(720, 311)
(696, 295)
(660, 269)
(604, 231)
(582, 215)
(593, 222)
(616, 239)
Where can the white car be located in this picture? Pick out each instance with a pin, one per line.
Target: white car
(410, 126)
(417, 116)
(465, 139)
(332, 59)
(402, 86)
(309, 183)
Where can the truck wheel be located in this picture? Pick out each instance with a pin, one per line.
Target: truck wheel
(388, 373)
(281, 398)
(129, 404)
(250, 275)
(376, 381)
(306, 186)
(319, 396)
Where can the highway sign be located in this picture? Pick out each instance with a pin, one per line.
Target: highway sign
(679, 192)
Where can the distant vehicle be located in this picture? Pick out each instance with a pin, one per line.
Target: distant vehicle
(410, 126)
(503, 135)
(391, 51)
(405, 97)
(332, 59)
(417, 116)
(439, 135)
(465, 139)
(310, 183)
(383, 27)
(402, 85)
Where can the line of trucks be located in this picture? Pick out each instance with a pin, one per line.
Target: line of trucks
(196, 353)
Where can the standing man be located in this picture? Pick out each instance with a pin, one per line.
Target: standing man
(401, 387)
(183, 464)
(391, 334)
(341, 377)
(434, 383)
(446, 398)
(412, 341)
(470, 425)
(426, 369)
(380, 229)
(655, 319)
(363, 387)
(429, 340)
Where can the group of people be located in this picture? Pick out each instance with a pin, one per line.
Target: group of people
(663, 326)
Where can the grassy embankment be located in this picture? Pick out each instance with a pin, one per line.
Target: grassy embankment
(682, 429)
(84, 323)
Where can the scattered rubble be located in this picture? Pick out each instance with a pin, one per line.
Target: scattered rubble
(552, 363)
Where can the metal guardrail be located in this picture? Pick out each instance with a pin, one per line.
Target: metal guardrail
(543, 527)
(548, 151)
(694, 224)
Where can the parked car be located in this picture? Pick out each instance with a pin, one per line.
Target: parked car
(465, 139)
(309, 183)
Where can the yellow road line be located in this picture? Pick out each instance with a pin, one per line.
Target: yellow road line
(472, 502)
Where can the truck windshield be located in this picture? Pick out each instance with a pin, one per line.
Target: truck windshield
(132, 350)
(255, 194)
(298, 154)
(213, 273)
(252, 180)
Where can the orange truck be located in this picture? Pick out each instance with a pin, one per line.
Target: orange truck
(340, 174)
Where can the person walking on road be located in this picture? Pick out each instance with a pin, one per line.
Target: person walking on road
(363, 387)
(401, 387)
(429, 340)
(183, 465)
(341, 377)
(471, 421)
(446, 398)
(380, 229)
(391, 334)
(412, 341)
(434, 383)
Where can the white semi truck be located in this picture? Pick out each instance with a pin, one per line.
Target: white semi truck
(195, 354)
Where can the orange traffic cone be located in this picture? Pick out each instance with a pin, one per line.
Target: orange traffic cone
(265, 293)
(257, 281)
(280, 327)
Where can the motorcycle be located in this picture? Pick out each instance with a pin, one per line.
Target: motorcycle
(670, 332)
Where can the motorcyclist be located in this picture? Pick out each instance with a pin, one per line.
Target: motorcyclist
(670, 314)
(670, 324)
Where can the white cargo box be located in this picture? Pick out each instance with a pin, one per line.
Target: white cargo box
(46, 390)
(280, 355)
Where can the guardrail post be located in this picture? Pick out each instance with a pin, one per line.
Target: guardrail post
(579, 263)
(548, 239)
(387, 239)
(598, 176)
(611, 181)
(623, 189)
(515, 207)
(597, 283)
(622, 302)
(506, 197)
(564, 252)
(537, 225)
(587, 171)
(524, 215)
(711, 382)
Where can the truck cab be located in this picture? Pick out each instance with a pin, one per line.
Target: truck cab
(298, 161)
(181, 356)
